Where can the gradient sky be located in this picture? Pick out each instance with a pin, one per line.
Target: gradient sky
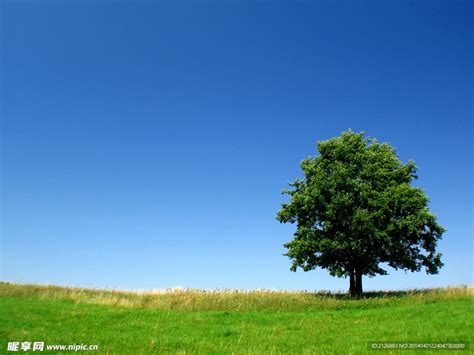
(145, 145)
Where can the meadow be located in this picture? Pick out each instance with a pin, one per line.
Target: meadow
(231, 321)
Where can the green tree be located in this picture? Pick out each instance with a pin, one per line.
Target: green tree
(356, 211)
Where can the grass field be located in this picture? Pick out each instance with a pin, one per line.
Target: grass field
(233, 322)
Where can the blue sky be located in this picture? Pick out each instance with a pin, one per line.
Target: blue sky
(145, 145)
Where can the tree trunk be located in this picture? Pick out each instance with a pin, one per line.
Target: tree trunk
(358, 283)
(352, 285)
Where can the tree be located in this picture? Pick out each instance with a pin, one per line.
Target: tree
(355, 211)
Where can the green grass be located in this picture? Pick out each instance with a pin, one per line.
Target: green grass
(233, 322)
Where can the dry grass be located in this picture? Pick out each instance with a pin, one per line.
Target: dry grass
(231, 300)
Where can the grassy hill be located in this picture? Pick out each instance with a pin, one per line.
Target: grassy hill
(193, 321)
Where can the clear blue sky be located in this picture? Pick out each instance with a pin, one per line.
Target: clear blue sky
(145, 145)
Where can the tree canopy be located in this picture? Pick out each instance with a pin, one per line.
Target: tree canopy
(356, 211)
